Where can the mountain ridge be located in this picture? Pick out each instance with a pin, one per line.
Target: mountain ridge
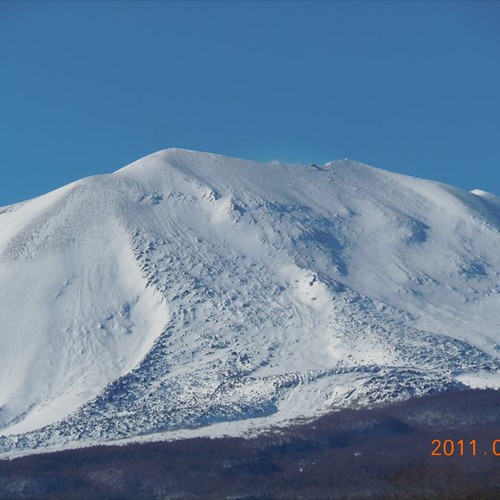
(189, 289)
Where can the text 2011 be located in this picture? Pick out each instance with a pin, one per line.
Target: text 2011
(451, 447)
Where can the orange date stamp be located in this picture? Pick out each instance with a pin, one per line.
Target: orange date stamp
(460, 448)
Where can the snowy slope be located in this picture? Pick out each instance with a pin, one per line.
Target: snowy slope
(190, 288)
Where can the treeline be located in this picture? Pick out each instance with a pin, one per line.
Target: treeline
(367, 453)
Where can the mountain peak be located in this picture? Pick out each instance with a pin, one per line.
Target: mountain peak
(189, 289)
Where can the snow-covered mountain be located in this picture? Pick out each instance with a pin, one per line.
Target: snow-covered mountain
(189, 289)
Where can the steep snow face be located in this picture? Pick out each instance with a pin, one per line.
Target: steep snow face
(74, 309)
(188, 289)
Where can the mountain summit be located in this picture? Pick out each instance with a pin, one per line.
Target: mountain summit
(191, 290)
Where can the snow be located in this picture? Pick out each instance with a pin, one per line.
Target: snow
(481, 379)
(194, 294)
(71, 296)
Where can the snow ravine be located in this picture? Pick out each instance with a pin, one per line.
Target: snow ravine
(191, 289)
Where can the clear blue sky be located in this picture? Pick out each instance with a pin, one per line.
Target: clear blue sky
(86, 88)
